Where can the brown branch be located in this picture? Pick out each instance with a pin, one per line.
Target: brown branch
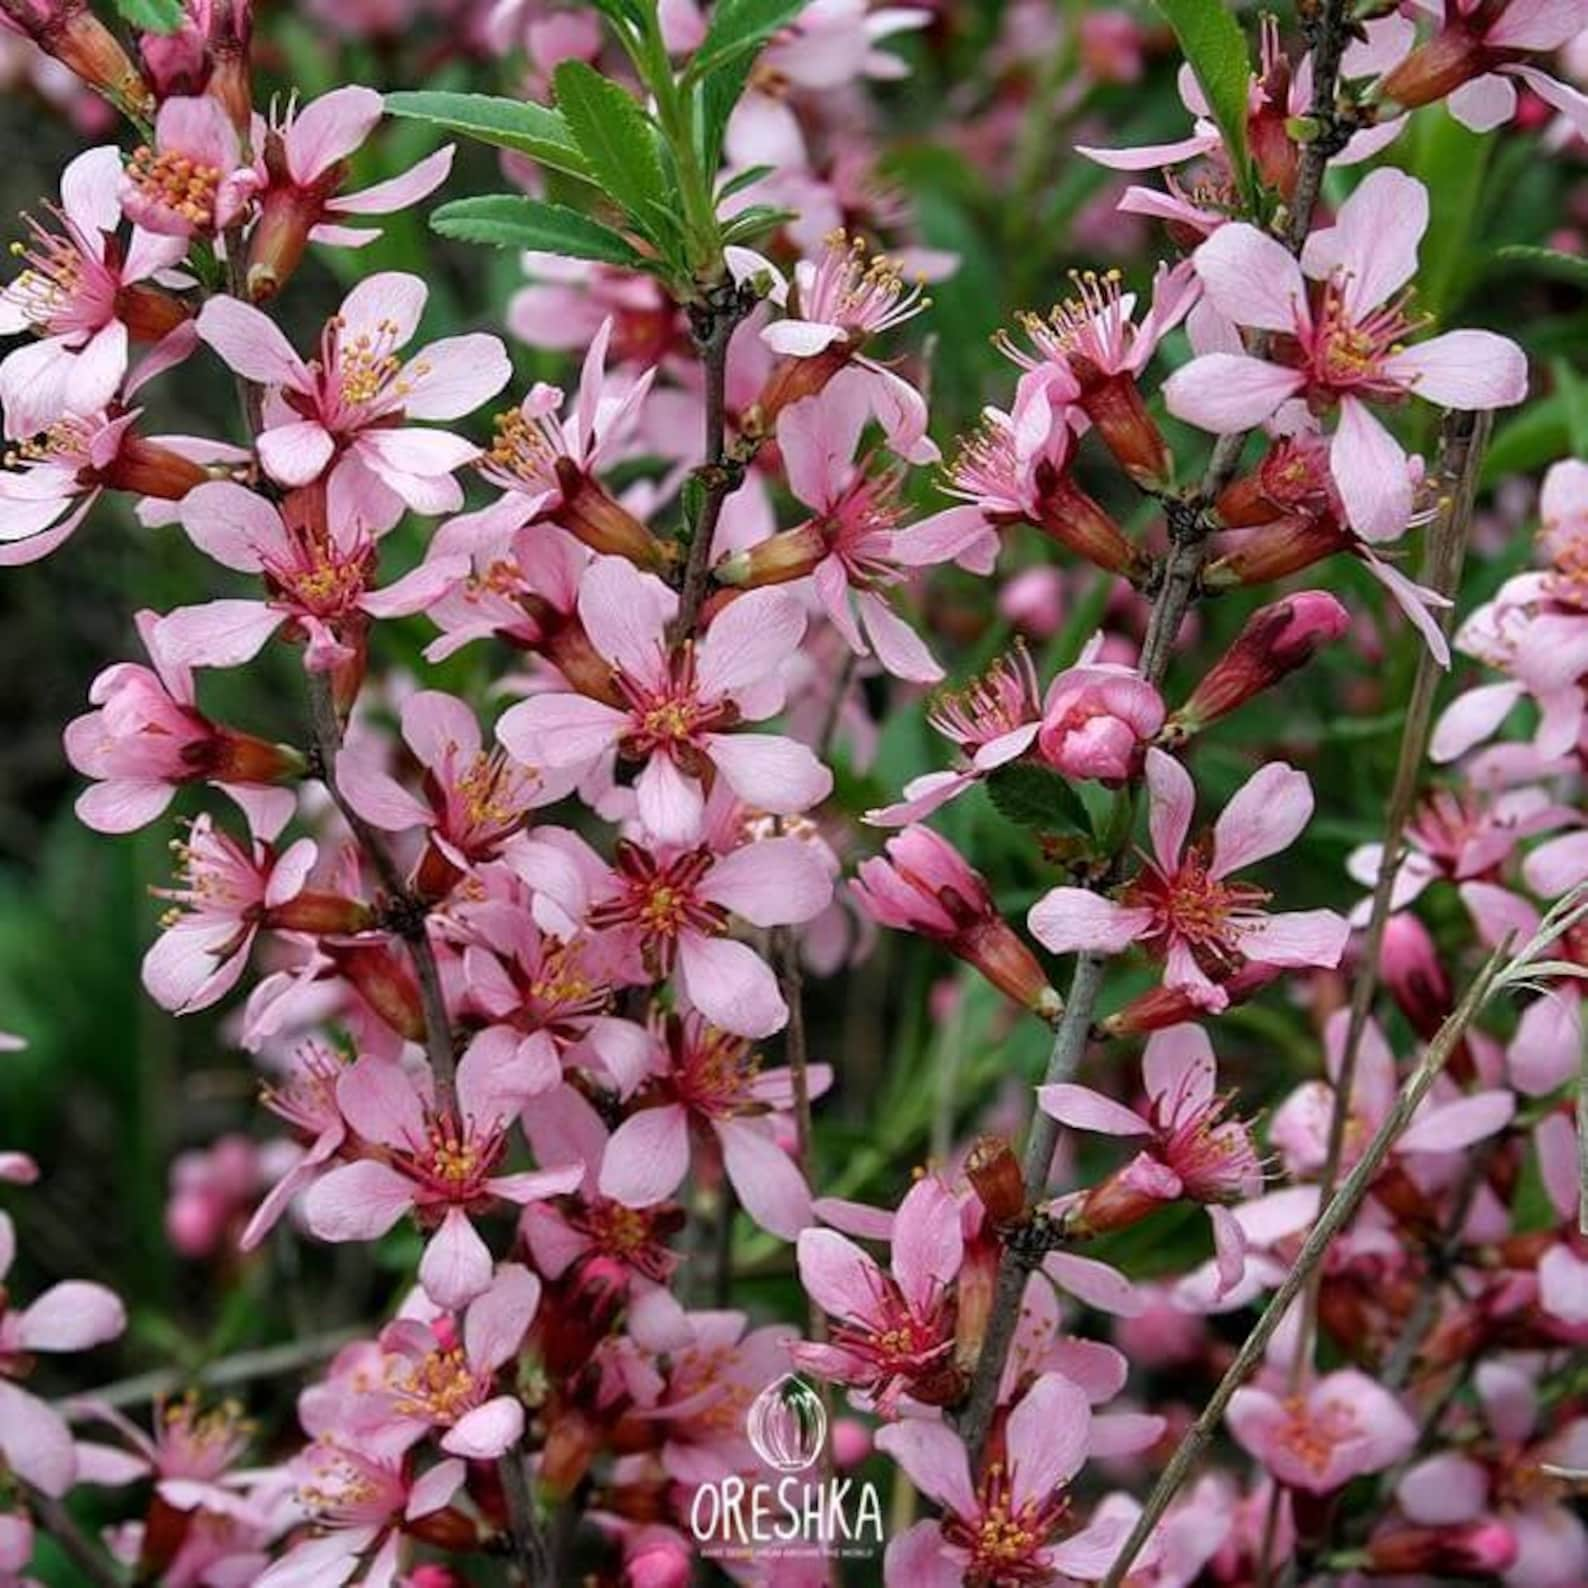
(531, 1555)
(53, 1518)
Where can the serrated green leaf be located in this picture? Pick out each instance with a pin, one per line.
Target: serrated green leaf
(1215, 49)
(738, 27)
(509, 220)
(152, 16)
(1546, 262)
(535, 130)
(1035, 797)
(617, 140)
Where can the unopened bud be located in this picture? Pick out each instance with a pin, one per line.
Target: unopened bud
(994, 1174)
(1417, 981)
(1276, 640)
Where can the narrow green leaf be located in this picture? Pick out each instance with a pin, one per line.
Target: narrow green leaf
(509, 220)
(754, 221)
(152, 16)
(738, 27)
(1546, 262)
(746, 178)
(1215, 49)
(616, 139)
(1035, 797)
(1573, 389)
(1451, 162)
(535, 130)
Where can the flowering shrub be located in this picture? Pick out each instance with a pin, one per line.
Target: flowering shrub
(678, 879)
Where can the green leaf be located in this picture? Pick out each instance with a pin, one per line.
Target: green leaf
(1573, 389)
(152, 16)
(1036, 797)
(509, 220)
(1451, 162)
(1537, 435)
(746, 178)
(1215, 49)
(1546, 262)
(535, 130)
(618, 141)
(755, 220)
(738, 28)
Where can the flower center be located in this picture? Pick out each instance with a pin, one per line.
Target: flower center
(176, 182)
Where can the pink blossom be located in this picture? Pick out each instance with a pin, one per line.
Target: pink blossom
(678, 703)
(349, 408)
(1182, 905)
(80, 292)
(666, 909)
(71, 1316)
(317, 555)
(1345, 1425)
(991, 721)
(841, 301)
(1193, 1148)
(193, 181)
(305, 156)
(146, 738)
(847, 547)
(925, 885)
(305, 1097)
(359, 1500)
(1097, 720)
(890, 1334)
(1348, 338)
(704, 1080)
(1004, 1527)
(222, 898)
(435, 1159)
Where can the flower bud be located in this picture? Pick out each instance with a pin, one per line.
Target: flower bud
(1097, 723)
(384, 982)
(1478, 1549)
(994, 1174)
(1411, 969)
(1276, 640)
(69, 31)
(925, 885)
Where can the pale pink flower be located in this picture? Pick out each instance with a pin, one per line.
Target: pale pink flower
(704, 1080)
(890, 1333)
(846, 548)
(1344, 1426)
(221, 900)
(193, 181)
(1182, 905)
(359, 1500)
(841, 301)
(146, 738)
(1450, 1122)
(1348, 338)
(669, 909)
(1007, 1526)
(435, 1374)
(305, 152)
(351, 406)
(1193, 1149)
(305, 1097)
(437, 1160)
(210, 1192)
(54, 477)
(317, 557)
(79, 292)
(473, 799)
(991, 721)
(71, 1316)
(1479, 53)
(546, 467)
(679, 703)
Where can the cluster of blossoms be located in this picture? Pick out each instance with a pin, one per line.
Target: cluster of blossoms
(521, 962)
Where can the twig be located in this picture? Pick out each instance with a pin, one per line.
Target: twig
(531, 1556)
(53, 1517)
(327, 730)
(241, 1368)
(713, 325)
(1465, 436)
(1333, 1218)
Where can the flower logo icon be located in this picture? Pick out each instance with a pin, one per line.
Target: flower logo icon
(787, 1424)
